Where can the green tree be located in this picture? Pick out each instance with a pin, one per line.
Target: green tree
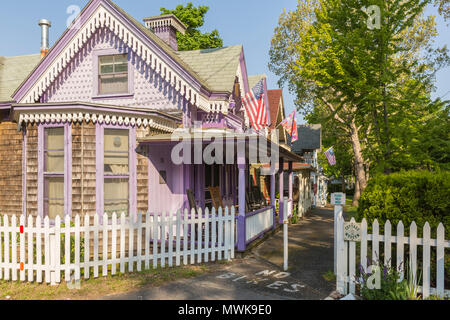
(194, 19)
(364, 80)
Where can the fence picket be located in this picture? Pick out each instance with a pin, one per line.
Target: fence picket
(352, 263)
(413, 251)
(114, 244)
(87, 255)
(363, 257)
(214, 234)
(170, 226)
(387, 243)
(96, 226)
(13, 248)
(232, 238)
(192, 231)
(57, 250)
(38, 249)
(105, 245)
(130, 243)
(6, 259)
(400, 250)
(440, 252)
(77, 248)
(47, 250)
(155, 239)
(220, 236)
(185, 237)
(147, 241)
(227, 234)
(22, 249)
(426, 261)
(375, 242)
(67, 248)
(139, 243)
(206, 242)
(178, 239)
(199, 221)
(30, 242)
(163, 239)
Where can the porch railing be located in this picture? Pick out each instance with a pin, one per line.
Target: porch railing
(257, 223)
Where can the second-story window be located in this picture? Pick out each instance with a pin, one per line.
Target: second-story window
(113, 74)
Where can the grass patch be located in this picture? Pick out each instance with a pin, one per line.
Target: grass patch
(349, 210)
(329, 276)
(103, 286)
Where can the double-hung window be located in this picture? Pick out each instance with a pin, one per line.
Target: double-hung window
(116, 171)
(113, 74)
(54, 172)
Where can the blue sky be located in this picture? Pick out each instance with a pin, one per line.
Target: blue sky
(247, 22)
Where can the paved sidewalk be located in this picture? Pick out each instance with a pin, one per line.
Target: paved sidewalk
(259, 276)
(311, 254)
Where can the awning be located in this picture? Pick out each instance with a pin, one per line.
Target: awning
(254, 142)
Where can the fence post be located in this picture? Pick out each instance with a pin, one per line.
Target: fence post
(338, 210)
(341, 256)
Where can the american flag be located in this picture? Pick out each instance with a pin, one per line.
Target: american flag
(255, 106)
(331, 156)
(290, 125)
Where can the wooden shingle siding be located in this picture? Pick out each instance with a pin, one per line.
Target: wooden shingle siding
(10, 169)
(32, 169)
(83, 169)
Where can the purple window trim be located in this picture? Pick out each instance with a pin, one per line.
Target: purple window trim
(67, 167)
(24, 172)
(100, 161)
(107, 52)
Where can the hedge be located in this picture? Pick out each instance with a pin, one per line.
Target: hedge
(408, 196)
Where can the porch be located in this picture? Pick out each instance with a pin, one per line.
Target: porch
(206, 169)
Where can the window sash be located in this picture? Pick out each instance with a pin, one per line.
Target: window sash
(116, 175)
(113, 74)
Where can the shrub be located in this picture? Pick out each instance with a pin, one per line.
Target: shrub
(408, 196)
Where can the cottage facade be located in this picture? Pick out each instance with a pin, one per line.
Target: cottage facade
(86, 126)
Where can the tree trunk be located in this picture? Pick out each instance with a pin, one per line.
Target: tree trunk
(360, 173)
(357, 194)
(343, 184)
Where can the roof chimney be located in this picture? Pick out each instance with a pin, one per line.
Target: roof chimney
(45, 26)
(166, 27)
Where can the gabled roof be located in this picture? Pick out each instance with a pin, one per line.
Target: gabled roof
(182, 70)
(13, 70)
(275, 97)
(217, 67)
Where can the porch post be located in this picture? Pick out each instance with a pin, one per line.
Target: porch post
(281, 200)
(291, 181)
(272, 198)
(241, 219)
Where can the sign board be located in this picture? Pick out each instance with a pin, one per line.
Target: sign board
(338, 199)
(352, 231)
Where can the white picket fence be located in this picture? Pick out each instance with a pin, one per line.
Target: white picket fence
(347, 279)
(40, 250)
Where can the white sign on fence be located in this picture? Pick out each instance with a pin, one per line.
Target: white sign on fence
(352, 231)
(338, 199)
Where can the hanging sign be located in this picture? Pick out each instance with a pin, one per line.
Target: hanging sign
(338, 199)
